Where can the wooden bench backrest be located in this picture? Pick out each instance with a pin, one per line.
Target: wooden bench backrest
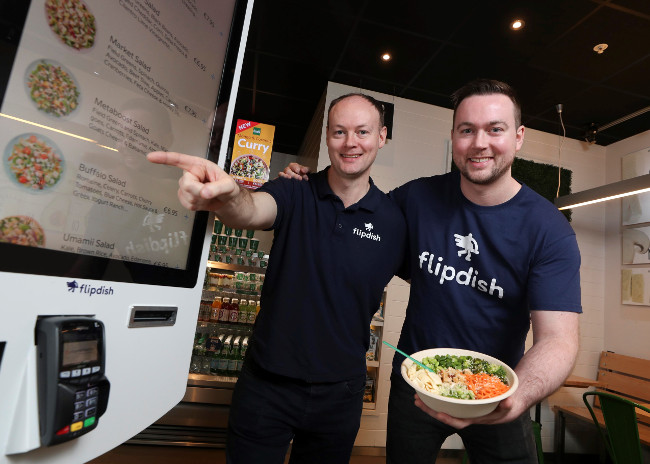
(626, 376)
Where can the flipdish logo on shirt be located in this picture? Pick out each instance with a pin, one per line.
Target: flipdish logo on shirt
(367, 233)
(468, 247)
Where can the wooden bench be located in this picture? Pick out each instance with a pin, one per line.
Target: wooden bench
(626, 376)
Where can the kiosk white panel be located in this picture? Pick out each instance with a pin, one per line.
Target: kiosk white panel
(87, 226)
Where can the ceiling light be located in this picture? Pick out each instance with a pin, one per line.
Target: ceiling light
(517, 24)
(623, 188)
(600, 48)
(591, 133)
(386, 57)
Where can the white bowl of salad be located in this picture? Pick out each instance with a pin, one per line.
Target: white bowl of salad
(464, 384)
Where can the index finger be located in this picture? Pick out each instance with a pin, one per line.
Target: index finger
(170, 158)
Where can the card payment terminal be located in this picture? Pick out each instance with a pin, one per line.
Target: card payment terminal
(72, 388)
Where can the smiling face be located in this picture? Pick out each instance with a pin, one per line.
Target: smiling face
(354, 137)
(485, 139)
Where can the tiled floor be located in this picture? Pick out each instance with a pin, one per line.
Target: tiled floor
(143, 454)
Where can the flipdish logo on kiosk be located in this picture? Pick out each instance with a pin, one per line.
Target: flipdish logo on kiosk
(251, 153)
(89, 290)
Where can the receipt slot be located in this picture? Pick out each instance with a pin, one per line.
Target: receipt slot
(72, 388)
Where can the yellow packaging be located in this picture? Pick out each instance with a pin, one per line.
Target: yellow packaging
(251, 153)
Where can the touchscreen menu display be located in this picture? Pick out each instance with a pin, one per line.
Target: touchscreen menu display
(96, 85)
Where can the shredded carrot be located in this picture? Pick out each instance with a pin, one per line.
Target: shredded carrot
(485, 385)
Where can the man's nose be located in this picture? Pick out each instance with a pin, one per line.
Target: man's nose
(481, 140)
(351, 139)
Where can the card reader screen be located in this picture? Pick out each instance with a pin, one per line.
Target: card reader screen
(81, 352)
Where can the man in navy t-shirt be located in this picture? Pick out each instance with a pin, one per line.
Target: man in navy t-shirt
(337, 242)
(487, 257)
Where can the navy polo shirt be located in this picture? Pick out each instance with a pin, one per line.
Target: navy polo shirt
(327, 270)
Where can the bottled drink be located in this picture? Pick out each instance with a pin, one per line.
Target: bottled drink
(224, 312)
(243, 312)
(215, 366)
(252, 312)
(205, 360)
(199, 349)
(224, 355)
(195, 363)
(213, 350)
(233, 357)
(242, 352)
(215, 309)
(234, 310)
(202, 306)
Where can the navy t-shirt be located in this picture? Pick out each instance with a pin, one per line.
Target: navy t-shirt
(327, 270)
(477, 271)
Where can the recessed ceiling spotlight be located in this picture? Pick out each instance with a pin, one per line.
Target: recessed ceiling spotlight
(517, 24)
(386, 57)
(600, 48)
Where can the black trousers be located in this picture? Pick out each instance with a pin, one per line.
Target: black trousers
(268, 411)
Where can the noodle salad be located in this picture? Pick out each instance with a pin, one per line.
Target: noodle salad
(461, 377)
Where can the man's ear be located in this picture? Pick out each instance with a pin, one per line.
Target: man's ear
(520, 137)
(383, 133)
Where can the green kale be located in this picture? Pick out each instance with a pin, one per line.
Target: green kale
(475, 365)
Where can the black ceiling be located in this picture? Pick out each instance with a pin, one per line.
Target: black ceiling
(294, 47)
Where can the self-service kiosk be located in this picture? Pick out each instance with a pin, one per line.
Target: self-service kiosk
(101, 268)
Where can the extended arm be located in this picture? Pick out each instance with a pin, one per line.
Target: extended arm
(204, 186)
(541, 371)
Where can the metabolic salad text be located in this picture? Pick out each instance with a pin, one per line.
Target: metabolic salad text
(461, 377)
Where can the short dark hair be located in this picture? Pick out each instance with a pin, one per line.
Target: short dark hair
(486, 87)
(376, 103)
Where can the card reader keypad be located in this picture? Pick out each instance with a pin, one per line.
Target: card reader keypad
(85, 404)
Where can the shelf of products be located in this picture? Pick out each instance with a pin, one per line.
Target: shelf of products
(235, 267)
(234, 274)
(229, 306)
(372, 358)
(228, 309)
(236, 247)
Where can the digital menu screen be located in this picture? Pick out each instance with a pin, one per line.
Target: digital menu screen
(94, 86)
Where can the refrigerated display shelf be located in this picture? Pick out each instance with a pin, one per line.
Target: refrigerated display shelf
(216, 381)
(169, 435)
(235, 267)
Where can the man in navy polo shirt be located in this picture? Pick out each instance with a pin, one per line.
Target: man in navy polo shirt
(338, 240)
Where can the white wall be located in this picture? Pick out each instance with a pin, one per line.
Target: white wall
(627, 326)
(419, 147)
